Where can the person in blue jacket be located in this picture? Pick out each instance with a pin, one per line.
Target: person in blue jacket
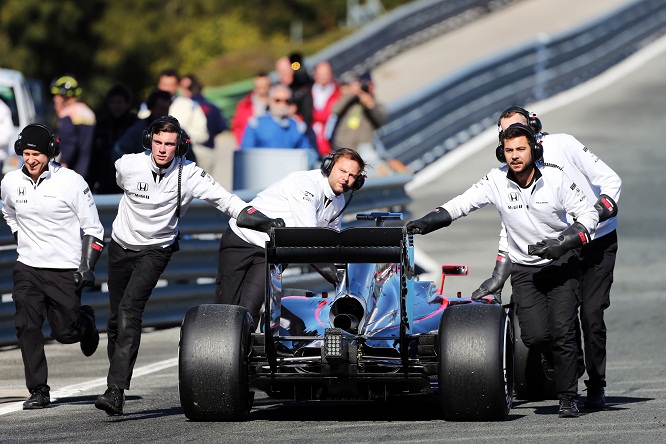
(277, 129)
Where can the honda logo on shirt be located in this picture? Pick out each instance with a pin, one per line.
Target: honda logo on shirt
(513, 196)
(142, 186)
(21, 191)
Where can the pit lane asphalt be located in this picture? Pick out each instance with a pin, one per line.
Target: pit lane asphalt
(623, 124)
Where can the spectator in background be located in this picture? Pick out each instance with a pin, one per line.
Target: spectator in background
(191, 87)
(158, 103)
(355, 117)
(115, 119)
(277, 129)
(325, 92)
(6, 131)
(254, 104)
(188, 112)
(291, 72)
(284, 71)
(76, 124)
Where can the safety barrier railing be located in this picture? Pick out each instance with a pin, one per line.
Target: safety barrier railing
(428, 124)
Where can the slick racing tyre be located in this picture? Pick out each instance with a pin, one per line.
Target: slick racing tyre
(475, 362)
(215, 345)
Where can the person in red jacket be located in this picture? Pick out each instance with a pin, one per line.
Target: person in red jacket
(254, 104)
(325, 93)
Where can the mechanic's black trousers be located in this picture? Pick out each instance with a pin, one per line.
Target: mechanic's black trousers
(597, 264)
(241, 274)
(38, 291)
(132, 277)
(546, 300)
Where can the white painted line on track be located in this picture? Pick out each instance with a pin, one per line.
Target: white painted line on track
(75, 389)
(489, 136)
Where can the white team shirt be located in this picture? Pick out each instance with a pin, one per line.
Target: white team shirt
(529, 214)
(49, 216)
(301, 199)
(147, 211)
(589, 173)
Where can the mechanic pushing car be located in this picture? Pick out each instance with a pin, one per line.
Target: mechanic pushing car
(533, 200)
(159, 185)
(601, 185)
(312, 198)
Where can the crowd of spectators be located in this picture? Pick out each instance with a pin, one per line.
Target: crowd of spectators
(287, 109)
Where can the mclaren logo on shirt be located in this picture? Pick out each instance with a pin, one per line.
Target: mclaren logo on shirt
(142, 186)
(308, 196)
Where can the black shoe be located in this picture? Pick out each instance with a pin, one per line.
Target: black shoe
(38, 400)
(548, 368)
(596, 398)
(568, 407)
(89, 334)
(112, 401)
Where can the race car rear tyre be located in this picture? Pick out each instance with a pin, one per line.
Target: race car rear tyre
(215, 344)
(529, 381)
(475, 362)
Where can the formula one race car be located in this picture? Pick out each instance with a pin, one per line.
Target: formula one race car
(381, 333)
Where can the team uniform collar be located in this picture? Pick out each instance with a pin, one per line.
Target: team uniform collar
(328, 191)
(535, 178)
(45, 174)
(157, 170)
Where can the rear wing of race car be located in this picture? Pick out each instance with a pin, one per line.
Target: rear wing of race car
(324, 245)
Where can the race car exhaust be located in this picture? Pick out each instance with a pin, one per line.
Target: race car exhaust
(346, 322)
(346, 313)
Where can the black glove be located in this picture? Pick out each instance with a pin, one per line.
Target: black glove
(254, 219)
(493, 285)
(436, 219)
(573, 237)
(90, 252)
(606, 207)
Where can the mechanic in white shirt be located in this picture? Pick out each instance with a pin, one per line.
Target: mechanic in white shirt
(302, 199)
(47, 207)
(158, 186)
(533, 202)
(601, 185)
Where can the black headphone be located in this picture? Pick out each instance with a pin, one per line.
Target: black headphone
(53, 148)
(328, 162)
(182, 143)
(537, 148)
(532, 119)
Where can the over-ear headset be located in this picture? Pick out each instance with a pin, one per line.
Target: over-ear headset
(537, 148)
(53, 148)
(182, 143)
(328, 162)
(531, 118)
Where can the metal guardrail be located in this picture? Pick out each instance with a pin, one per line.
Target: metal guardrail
(378, 41)
(428, 124)
(187, 280)
(399, 30)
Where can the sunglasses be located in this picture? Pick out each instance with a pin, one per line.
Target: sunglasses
(280, 100)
